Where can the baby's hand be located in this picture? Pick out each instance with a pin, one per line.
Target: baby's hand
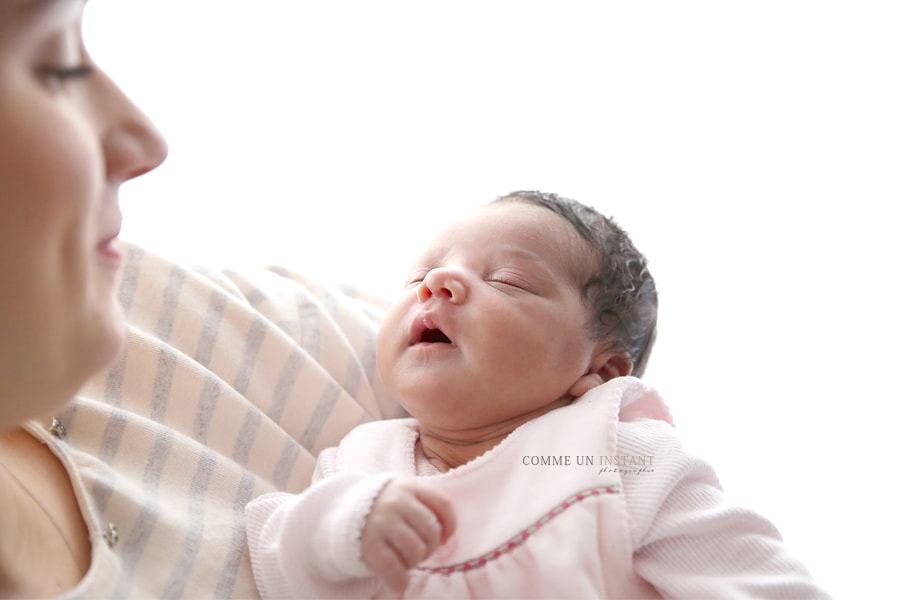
(408, 521)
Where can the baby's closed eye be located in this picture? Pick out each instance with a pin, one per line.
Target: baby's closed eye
(511, 279)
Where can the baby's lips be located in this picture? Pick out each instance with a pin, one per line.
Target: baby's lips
(425, 323)
(416, 329)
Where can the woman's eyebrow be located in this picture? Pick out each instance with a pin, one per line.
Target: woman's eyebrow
(31, 5)
(26, 6)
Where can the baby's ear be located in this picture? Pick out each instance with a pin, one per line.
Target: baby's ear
(584, 384)
(612, 363)
(607, 364)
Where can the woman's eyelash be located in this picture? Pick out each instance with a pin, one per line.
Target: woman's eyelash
(67, 73)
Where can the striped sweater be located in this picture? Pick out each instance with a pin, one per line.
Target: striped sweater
(229, 386)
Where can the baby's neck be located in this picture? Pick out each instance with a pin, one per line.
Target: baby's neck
(446, 455)
(447, 449)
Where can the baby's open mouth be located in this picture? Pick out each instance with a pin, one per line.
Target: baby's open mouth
(435, 336)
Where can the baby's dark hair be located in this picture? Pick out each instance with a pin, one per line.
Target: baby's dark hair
(620, 289)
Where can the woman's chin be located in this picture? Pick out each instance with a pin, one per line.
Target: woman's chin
(107, 335)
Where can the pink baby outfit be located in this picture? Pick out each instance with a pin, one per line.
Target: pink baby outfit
(536, 517)
(593, 500)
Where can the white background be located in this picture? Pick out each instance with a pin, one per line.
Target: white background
(751, 149)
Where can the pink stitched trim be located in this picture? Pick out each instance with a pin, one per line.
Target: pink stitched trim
(519, 539)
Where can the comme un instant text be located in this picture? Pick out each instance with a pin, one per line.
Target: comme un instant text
(582, 460)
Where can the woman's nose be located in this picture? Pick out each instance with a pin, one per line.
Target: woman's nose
(442, 283)
(132, 145)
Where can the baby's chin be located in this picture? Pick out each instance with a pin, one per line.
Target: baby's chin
(440, 410)
(419, 402)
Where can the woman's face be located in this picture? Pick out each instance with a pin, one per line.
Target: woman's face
(68, 139)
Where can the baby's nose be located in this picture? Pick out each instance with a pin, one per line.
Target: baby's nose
(442, 283)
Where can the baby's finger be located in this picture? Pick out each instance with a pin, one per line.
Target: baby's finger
(388, 565)
(442, 509)
(426, 526)
(408, 544)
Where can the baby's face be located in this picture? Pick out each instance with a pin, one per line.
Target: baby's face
(491, 325)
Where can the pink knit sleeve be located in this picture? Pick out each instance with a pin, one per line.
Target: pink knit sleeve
(307, 545)
(688, 541)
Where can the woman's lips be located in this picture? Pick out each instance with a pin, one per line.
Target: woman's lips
(109, 252)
